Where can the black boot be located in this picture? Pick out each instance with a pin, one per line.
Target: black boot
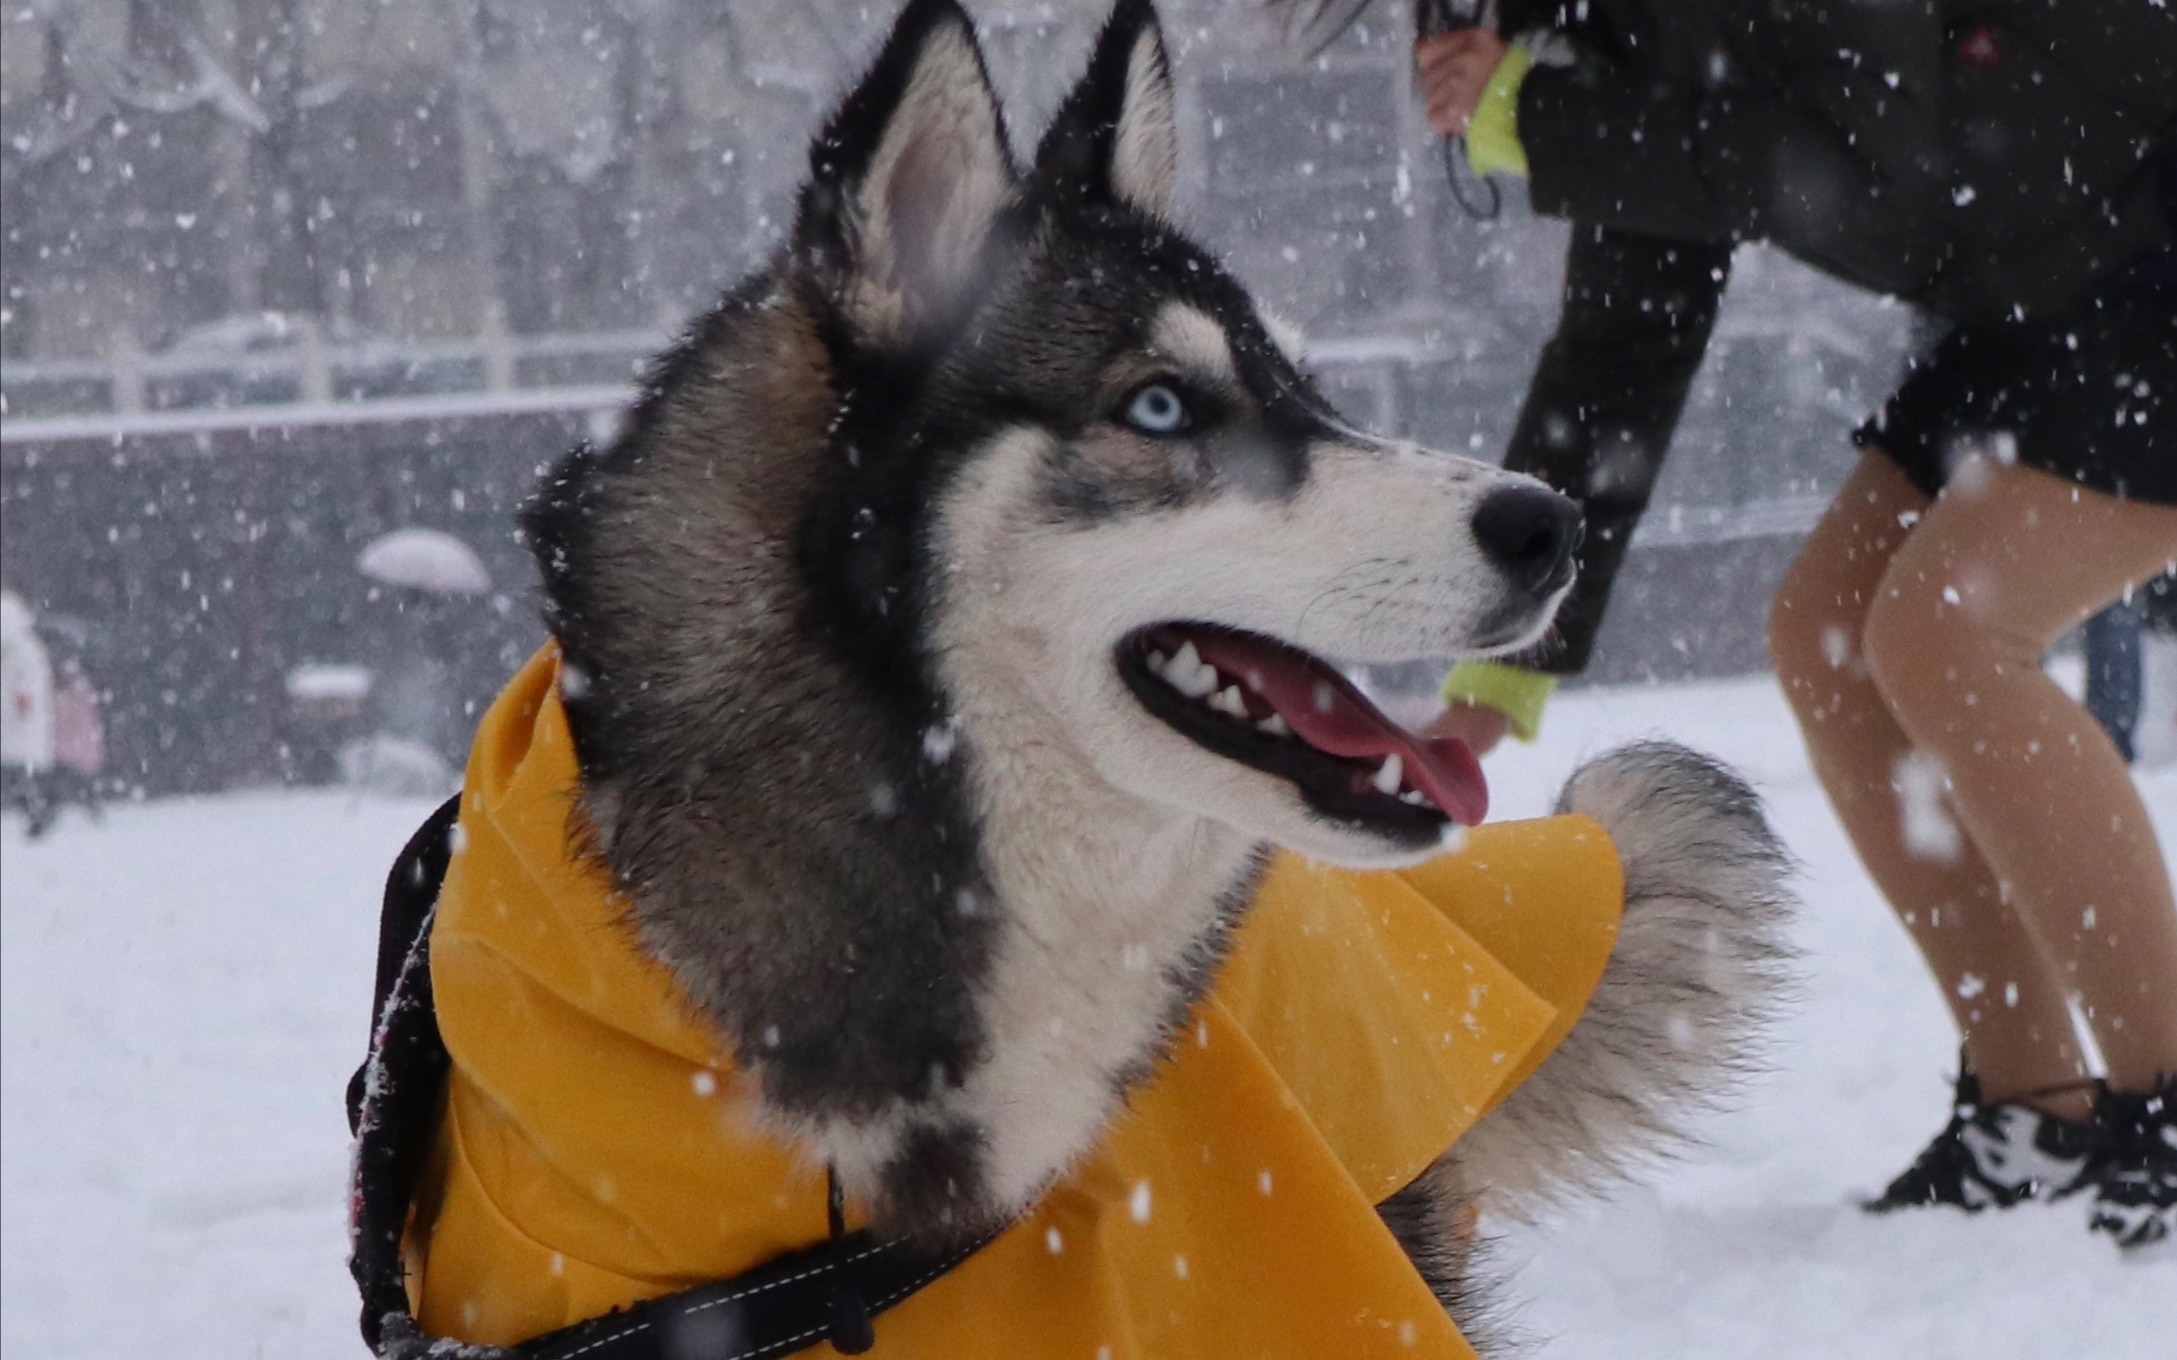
(1995, 1156)
(2135, 1177)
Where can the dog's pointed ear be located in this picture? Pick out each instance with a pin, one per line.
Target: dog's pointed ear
(1116, 138)
(907, 179)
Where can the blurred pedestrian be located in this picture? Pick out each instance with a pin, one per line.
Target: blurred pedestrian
(2116, 643)
(2112, 641)
(2006, 167)
(26, 715)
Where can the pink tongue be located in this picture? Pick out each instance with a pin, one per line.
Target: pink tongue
(1327, 712)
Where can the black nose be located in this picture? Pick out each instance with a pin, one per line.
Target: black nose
(1532, 534)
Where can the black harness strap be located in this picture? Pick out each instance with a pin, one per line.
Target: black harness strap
(829, 1291)
(393, 1098)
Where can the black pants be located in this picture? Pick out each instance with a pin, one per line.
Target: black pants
(1606, 397)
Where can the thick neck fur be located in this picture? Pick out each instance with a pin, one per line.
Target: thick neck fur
(1112, 915)
(941, 969)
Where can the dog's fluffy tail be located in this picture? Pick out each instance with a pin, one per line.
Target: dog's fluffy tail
(1677, 1021)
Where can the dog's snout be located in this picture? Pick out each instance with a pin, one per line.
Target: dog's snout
(1532, 534)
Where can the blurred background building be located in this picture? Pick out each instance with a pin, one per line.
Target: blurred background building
(279, 278)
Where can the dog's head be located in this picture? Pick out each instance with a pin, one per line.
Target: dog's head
(976, 568)
(1076, 456)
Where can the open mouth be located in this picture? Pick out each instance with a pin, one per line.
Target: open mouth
(1273, 707)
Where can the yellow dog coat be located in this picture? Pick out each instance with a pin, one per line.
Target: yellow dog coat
(594, 1150)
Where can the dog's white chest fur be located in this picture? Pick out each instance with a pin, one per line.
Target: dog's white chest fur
(1108, 901)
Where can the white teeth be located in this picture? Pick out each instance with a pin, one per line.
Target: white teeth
(1157, 662)
(1392, 772)
(1228, 701)
(1414, 796)
(1197, 684)
(1191, 675)
(1275, 726)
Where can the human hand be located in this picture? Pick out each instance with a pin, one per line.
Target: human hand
(1454, 68)
(1478, 725)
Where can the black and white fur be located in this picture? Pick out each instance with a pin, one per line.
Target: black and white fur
(839, 613)
(1673, 1029)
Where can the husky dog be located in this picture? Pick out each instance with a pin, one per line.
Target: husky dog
(946, 642)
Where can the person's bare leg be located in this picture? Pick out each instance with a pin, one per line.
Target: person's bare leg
(2001, 566)
(2006, 998)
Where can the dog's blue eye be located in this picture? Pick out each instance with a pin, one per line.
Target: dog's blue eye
(1157, 409)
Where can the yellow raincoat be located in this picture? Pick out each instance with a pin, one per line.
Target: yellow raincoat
(592, 1154)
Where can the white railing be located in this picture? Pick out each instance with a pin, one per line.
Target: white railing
(194, 386)
(130, 394)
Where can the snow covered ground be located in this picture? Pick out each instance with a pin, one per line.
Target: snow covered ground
(183, 992)
(1752, 1247)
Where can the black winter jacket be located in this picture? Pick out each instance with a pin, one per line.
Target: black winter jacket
(1971, 156)
(1974, 157)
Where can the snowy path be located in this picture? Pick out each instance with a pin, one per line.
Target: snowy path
(1753, 1249)
(182, 994)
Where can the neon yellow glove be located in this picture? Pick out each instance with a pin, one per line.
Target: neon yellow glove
(1492, 135)
(1514, 691)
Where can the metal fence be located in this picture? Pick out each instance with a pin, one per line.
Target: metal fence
(194, 525)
